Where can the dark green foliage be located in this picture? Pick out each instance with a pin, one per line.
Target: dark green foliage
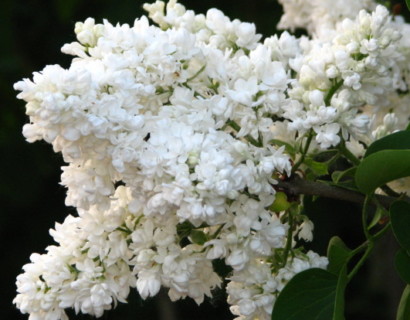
(313, 294)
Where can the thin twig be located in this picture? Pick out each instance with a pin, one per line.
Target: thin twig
(304, 152)
(297, 186)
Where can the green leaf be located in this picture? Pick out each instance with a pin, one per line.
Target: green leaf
(198, 237)
(400, 222)
(403, 312)
(382, 167)
(338, 313)
(309, 295)
(338, 254)
(402, 263)
(318, 168)
(378, 215)
(338, 176)
(281, 202)
(396, 141)
(408, 7)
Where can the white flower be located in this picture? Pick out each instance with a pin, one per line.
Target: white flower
(217, 250)
(316, 98)
(328, 135)
(306, 230)
(148, 283)
(244, 91)
(237, 259)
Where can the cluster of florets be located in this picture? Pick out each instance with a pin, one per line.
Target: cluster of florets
(174, 137)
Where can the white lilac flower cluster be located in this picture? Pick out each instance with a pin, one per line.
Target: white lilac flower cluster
(170, 132)
(352, 72)
(320, 16)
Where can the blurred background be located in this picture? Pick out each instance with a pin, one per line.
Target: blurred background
(31, 34)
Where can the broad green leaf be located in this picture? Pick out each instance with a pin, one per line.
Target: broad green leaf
(309, 295)
(382, 167)
(396, 141)
(408, 7)
(400, 222)
(338, 254)
(338, 312)
(403, 312)
(402, 263)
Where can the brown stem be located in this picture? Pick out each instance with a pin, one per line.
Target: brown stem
(297, 186)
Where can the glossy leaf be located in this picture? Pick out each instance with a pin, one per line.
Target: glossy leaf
(403, 312)
(382, 167)
(400, 222)
(338, 254)
(310, 295)
(402, 263)
(396, 141)
(408, 7)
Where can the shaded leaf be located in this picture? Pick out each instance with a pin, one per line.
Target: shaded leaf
(403, 312)
(402, 263)
(338, 254)
(379, 214)
(382, 167)
(339, 176)
(396, 141)
(309, 295)
(338, 313)
(400, 222)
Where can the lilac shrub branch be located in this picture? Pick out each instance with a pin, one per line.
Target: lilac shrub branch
(296, 186)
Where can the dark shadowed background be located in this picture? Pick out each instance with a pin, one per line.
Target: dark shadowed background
(31, 199)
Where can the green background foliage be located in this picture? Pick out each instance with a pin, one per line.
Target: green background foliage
(32, 33)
